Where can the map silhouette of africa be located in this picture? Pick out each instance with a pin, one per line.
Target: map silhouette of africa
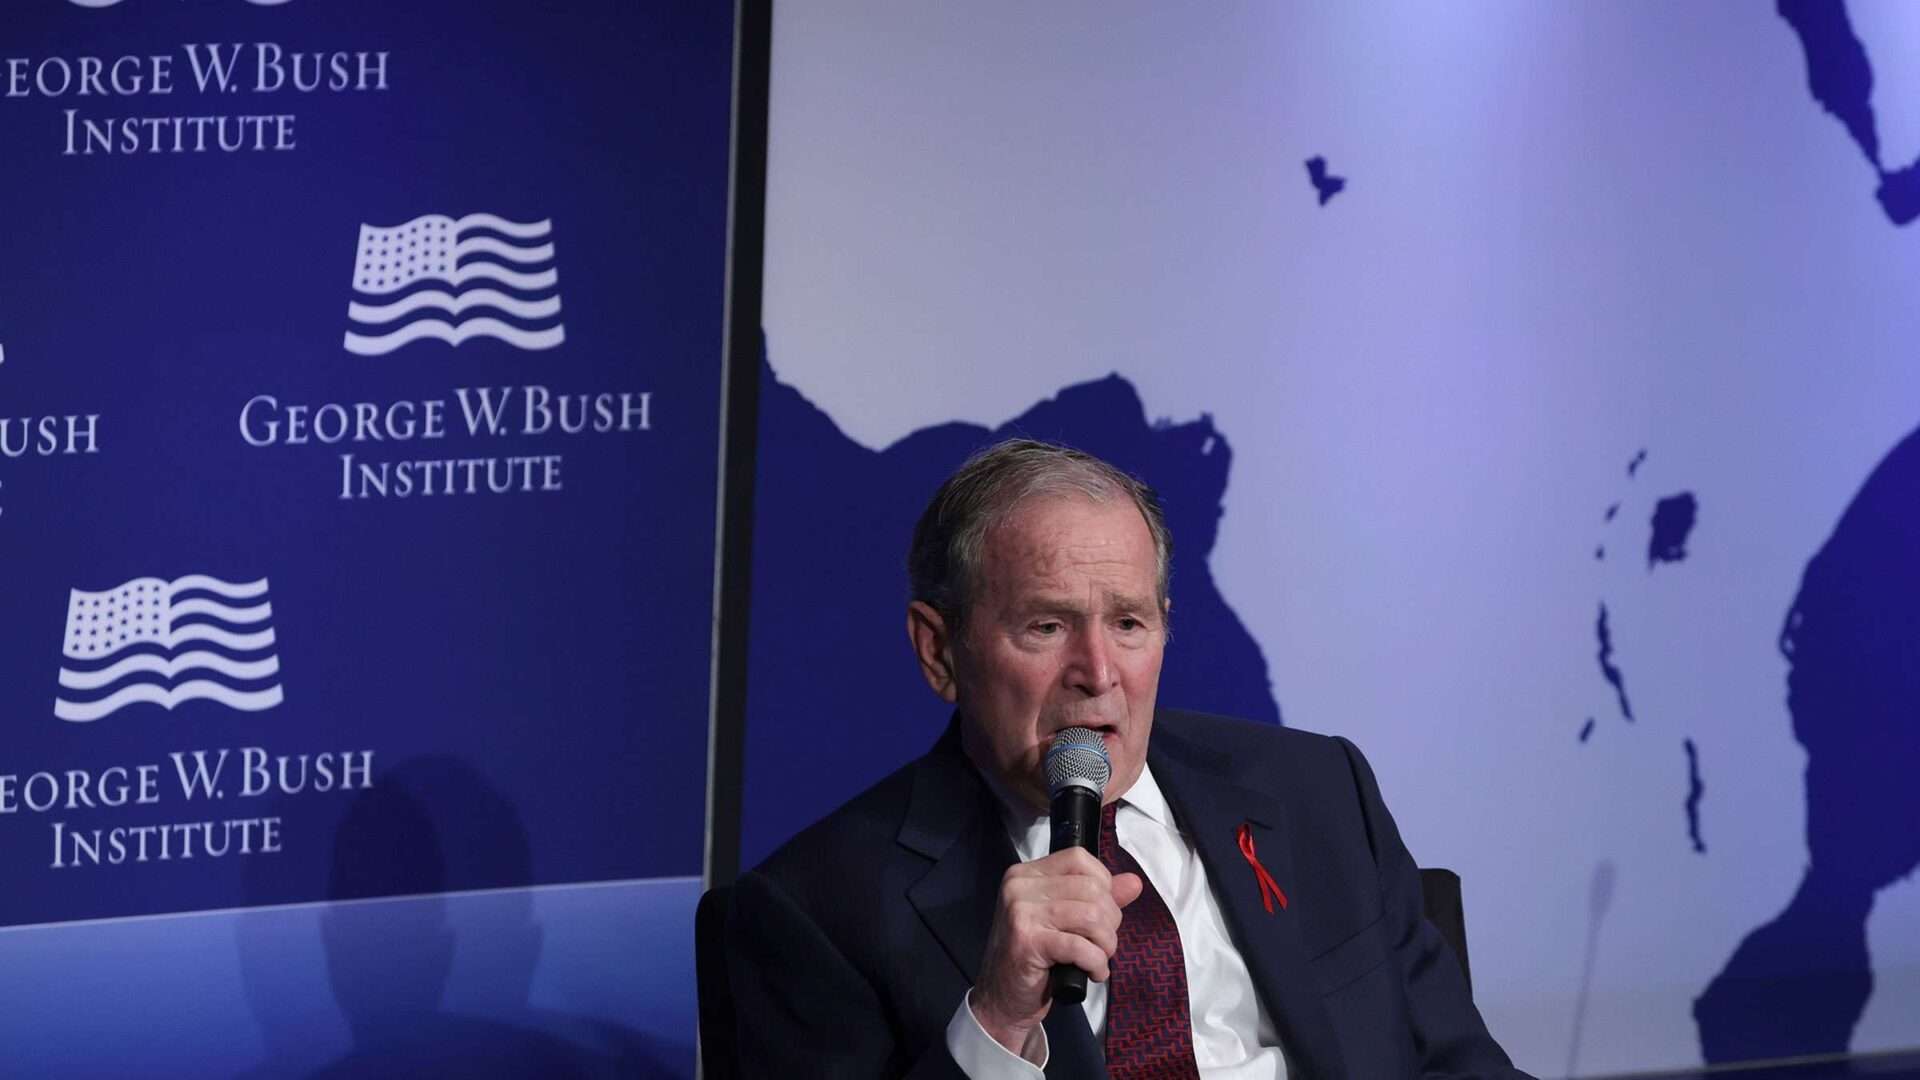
(1799, 984)
(835, 701)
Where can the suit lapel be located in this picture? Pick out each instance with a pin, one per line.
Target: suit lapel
(952, 819)
(1211, 806)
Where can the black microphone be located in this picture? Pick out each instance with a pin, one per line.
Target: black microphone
(1077, 774)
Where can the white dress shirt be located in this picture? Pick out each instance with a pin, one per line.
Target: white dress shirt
(1233, 1037)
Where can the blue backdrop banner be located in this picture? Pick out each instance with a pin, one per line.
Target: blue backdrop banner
(359, 399)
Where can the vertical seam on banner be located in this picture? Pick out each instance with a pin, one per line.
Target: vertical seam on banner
(739, 431)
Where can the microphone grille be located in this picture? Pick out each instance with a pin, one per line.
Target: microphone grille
(1077, 758)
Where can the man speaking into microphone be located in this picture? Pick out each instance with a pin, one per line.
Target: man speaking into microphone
(1252, 911)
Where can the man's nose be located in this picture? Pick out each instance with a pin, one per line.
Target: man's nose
(1090, 667)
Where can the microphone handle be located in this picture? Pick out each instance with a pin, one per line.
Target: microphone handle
(1075, 815)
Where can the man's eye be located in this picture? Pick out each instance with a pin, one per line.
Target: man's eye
(1046, 629)
(1128, 622)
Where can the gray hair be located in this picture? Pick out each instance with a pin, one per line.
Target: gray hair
(943, 565)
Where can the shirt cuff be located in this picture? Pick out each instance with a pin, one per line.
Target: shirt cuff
(982, 1057)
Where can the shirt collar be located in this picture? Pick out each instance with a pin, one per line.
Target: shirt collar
(1028, 827)
(1145, 797)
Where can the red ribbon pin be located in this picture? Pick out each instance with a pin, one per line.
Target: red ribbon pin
(1269, 889)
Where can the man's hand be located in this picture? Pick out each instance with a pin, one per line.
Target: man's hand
(1063, 909)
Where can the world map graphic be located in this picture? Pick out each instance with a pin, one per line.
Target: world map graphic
(1796, 983)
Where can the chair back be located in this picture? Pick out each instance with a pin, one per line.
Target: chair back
(717, 1048)
(1440, 889)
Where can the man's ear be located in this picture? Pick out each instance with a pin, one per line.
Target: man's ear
(933, 647)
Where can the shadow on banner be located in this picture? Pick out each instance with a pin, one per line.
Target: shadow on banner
(390, 949)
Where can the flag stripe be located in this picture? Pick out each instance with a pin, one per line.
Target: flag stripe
(453, 305)
(487, 245)
(199, 689)
(199, 606)
(362, 345)
(474, 271)
(147, 662)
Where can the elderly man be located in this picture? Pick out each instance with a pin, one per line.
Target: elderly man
(1254, 912)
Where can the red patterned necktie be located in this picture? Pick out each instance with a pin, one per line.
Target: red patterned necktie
(1149, 1020)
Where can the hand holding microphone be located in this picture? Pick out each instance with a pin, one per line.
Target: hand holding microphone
(1077, 773)
(1057, 921)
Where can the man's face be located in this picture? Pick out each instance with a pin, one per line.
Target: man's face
(1065, 630)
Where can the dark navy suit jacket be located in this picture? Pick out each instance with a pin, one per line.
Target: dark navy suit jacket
(851, 946)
